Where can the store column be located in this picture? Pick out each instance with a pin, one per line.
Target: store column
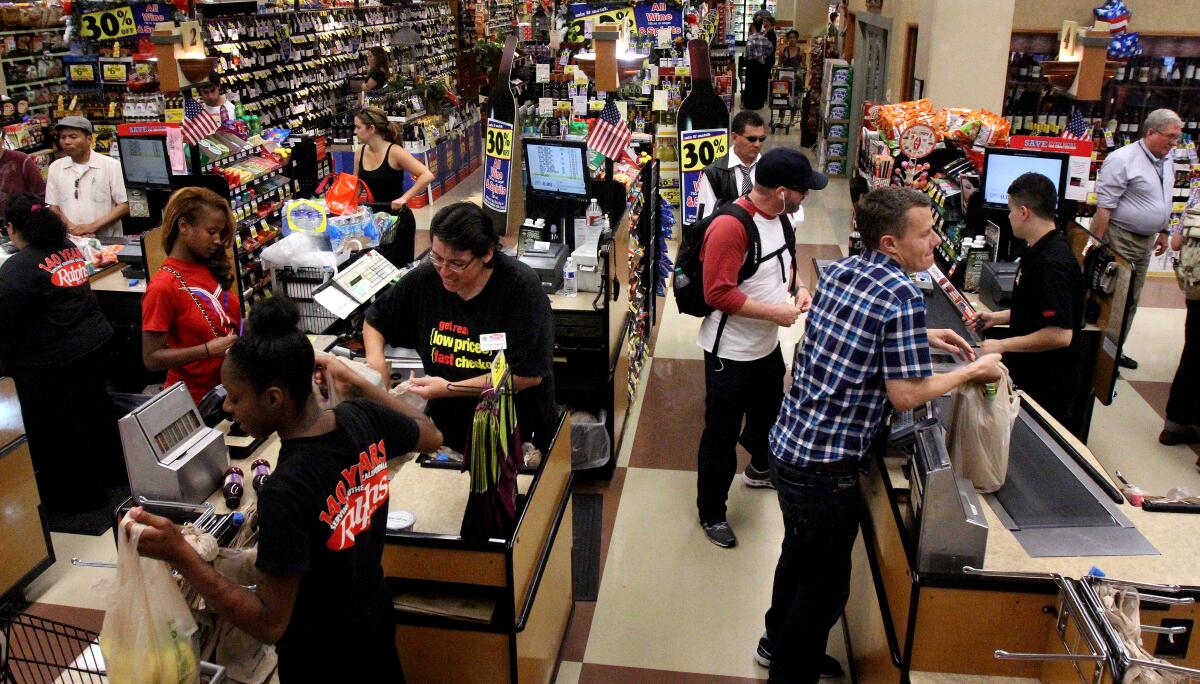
(962, 52)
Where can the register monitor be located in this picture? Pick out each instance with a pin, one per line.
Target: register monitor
(557, 169)
(1002, 166)
(145, 162)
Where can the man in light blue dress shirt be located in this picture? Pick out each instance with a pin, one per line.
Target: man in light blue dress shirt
(1136, 190)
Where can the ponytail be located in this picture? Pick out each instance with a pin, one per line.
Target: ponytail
(374, 117)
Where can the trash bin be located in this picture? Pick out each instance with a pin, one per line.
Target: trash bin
(590, 443)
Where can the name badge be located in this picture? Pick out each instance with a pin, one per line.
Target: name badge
(493, 342)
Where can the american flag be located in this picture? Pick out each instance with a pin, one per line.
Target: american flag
(1076, 128)
(198, 124)
(609, 135)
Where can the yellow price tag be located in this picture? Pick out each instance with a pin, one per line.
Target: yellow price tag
(703, 148)
(115, 72)
(108, 24)
(499, 364)
(82, 72)
(173, 116)
(499, 142)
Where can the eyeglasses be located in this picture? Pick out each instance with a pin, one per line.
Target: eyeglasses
(755, 138)
(455, 266)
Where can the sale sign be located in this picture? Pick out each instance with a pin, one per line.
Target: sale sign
(497, 166)
(698, 149)
(1079, 166)
(651, 17)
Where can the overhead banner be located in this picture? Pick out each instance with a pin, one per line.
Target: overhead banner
(652, 16)
(587, 15)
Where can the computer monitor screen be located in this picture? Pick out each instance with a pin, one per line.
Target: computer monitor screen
(145, 161)
(557, 167)
(1003, 166)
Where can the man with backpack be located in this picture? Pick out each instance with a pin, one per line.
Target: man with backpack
(730, 178)
(747, 265)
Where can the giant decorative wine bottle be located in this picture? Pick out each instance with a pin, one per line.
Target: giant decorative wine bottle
(498, 142)
(703, 123)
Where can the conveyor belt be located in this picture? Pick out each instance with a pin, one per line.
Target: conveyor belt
(1042, 492)
(940, 313)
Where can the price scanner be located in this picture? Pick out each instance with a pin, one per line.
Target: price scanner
(170, 454)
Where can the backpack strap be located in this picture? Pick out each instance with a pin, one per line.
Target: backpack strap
(749, 265)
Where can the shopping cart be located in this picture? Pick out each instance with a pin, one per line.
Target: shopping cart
(785, 98)
(37, 650)
(298, 284)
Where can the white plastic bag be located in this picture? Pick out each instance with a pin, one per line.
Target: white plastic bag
(980, 431)
(147, 633)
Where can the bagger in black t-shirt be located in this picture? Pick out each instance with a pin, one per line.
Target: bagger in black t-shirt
(419, 313)
(48, 313)
(1048, 294)
(323, 515)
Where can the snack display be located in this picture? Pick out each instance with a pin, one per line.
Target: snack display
(973, 126)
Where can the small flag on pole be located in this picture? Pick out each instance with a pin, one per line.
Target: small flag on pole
(198, 124)
(609, 135)
(1076, 128)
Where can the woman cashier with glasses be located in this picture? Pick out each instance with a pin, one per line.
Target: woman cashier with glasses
(467, 288)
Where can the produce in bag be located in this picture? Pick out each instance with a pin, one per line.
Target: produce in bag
(493, 459)
(147, 633)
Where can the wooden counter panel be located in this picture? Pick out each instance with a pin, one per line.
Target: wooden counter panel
(870, 658)
(1188, 612)
(407, 561)
(439, 656)
(957, 630)
(541, 640)
(21, 534)
(541, 510)
(1064, 672)
(889, 554)
(12, 424)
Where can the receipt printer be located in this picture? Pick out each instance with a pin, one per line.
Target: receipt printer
(547, 259)
(587, 269)
(996, 283)
(170, 454)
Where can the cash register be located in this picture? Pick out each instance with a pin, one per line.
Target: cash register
(170, 454)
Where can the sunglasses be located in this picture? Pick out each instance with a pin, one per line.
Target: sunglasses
(755, 138)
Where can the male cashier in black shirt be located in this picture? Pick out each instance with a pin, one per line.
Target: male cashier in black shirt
(465, 290)
(1047, 306)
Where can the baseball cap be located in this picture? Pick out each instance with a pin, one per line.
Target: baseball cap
(784, 167)
(74, 122)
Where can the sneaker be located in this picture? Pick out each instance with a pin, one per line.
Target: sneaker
(1126, 362)
(1171, 437)
(752, 477)
(719, 533)
(830, 667)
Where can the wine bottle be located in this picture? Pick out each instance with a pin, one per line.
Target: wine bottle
(498, 141)
(703, 122)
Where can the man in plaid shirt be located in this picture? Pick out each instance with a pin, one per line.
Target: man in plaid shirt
(865, 346)
(760, 57)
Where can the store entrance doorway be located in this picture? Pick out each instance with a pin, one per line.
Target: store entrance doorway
(870, 68)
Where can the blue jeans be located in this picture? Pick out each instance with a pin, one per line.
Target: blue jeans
(812, 579)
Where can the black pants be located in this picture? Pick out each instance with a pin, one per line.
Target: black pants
(72, 432)
(1183, 406)
(812, 579)
(1052, 383)
(735, 390)
(754, 93)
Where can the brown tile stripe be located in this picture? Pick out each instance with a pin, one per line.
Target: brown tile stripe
(672, 416)
(1162, 292)
(593, 673)
(39, 650)
(1156, 394)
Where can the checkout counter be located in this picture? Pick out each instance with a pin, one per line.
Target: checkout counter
(952, 586)
(25, 535)
(503, 605)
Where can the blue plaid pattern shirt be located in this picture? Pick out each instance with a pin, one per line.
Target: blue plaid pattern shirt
(759, 48)
(866, 325)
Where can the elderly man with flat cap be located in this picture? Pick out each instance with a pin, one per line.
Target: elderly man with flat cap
(85, 188)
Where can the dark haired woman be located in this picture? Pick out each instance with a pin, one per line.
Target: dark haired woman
(467, 288)
(790, 55)
(321, 596)
(382, 161)
(378, 69)
(52, 344)
(190, 313)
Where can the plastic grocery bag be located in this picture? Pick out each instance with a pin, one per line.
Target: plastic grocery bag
(147, 633)
(1122, 609)
(981, 422)
(346, 192)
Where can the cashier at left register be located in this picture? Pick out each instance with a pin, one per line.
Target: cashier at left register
(465, 289)
(321, 595)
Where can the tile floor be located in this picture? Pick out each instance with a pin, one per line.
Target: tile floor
(672, 608)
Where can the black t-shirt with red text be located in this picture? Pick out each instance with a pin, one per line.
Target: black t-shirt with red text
(419, 313)
(323, 515)
(48, 313)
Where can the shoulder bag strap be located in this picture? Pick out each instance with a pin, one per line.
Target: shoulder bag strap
(195, 299)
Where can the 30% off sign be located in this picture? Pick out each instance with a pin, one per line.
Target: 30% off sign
(701, 148)
(108, 24)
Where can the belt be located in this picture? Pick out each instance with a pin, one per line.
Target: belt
(843, 467)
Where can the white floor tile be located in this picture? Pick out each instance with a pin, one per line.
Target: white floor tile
(1124, 437)
(568, 672)
(1156, 342)
(68, 585)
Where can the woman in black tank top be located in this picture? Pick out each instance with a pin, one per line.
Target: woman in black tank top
(382, 163)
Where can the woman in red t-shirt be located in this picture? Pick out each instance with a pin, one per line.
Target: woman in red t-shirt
(191, 314)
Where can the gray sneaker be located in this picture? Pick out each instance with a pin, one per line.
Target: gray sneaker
(752, 477)
(719, 533)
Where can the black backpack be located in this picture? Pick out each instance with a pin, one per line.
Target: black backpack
(689, 269)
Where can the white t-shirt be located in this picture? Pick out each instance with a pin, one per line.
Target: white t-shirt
(228, 108)
(85, 192)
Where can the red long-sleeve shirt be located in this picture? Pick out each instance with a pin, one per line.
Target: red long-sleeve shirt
(723, 253)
